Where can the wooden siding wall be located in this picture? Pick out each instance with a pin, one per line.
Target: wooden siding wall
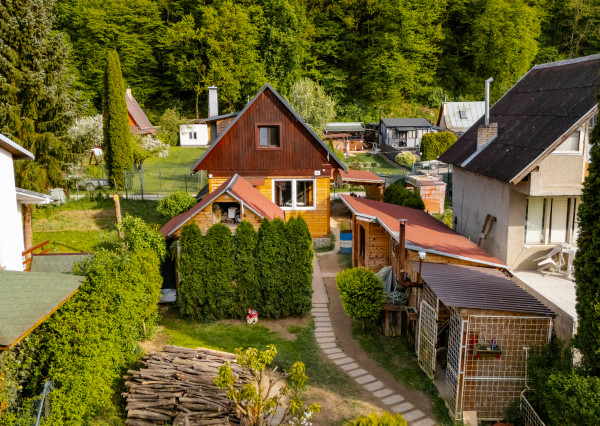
(377, 249)
(374, 192)
(317, 220)
(413, 256)
(300, 154)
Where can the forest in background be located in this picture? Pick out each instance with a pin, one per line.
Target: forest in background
(401, 56)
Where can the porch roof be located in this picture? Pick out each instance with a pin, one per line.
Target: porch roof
(478, 288)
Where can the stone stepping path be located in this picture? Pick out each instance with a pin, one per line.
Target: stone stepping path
(325, 336)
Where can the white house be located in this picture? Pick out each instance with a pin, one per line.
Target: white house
(194, 133)
(458, 117)
(11, 199)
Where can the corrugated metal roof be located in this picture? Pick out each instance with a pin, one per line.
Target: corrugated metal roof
(407, 122)
(423, 231)
(28, 298)
(57, 262)
(455, 111)
(533, 117)
(478, 288)
(344, 127)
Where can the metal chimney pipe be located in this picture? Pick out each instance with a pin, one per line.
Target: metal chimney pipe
(487, 101)
(213, 102)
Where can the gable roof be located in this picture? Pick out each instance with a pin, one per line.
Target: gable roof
(344, 127)
(533, 117)
(137, 114)
(267, 86)
(14, 148)
(57, 262)
(25, 196)
(407, 122)
(238, 188)
(473, 287)
(28, 298)
(423, 231)
(451, 111)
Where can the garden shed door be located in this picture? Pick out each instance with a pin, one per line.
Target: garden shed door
(427, 338)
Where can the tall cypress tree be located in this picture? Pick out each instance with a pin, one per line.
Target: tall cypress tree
(36, 104)
(247, 292)
(587, 262)
(117, 139)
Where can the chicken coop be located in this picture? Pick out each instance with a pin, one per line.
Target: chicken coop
(475, 329)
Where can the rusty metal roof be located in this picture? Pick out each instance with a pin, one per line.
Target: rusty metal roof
(478, 288)
(533, 117)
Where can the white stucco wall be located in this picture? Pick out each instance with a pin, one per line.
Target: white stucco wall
(201, 135)
(11, 226)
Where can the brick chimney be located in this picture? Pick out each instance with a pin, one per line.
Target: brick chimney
(213, 102)
(485, 133)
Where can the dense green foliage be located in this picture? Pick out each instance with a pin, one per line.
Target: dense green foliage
(397, 194)
(36, 101)
(224, 276)
(375, 419)
(587, 262)
(118, 145)
(176, 203)
(361, 293)
(310, 101)
(140, 237)
(435, 144)
(406, 158)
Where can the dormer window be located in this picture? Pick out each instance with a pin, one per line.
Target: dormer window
(268, 136)
(463, 114)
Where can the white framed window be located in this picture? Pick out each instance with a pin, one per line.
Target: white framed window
(551, 220)
(571, 145)
(295, 194)
(534, 220)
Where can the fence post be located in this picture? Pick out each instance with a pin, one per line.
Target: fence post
(185, 179)
(142, 181)
(159, 180)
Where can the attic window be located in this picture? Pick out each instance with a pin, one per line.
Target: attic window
(463, 114)
(267, 136)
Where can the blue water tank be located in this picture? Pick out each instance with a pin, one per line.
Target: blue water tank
(346, 242)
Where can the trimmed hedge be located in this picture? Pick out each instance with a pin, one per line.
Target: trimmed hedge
(361, 293)
(176, 203)
(397, 194)
(375, 419)
(270, 271)
(435, 144)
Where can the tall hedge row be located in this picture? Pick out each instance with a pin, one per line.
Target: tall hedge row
(224, 275)
(435, 144)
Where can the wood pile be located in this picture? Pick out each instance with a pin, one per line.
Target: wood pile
(176, 387)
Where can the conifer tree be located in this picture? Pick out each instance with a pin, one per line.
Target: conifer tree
(272, 257)
(190, 287)
(117, 138)
(244, 258)
(587, 263)
(36, 104)
(217, 271)
(298, 280)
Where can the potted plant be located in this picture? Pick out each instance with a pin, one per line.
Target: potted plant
(485, 350)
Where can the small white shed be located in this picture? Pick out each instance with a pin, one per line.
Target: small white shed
(193, 134)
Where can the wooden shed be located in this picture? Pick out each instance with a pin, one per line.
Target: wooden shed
(374, 185)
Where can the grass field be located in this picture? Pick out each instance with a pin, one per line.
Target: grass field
(382, 166)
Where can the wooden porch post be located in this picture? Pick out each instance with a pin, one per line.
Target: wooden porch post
(27, 228)
(402, 247)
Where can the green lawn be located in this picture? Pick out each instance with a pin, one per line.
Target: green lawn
(382, 166)
(397, 356)
(179, 156)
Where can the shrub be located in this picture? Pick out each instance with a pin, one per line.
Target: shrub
(406, 158)
(176, 203)
(190, 288)
(375, 419)
(361, 293)
(272, 266)
(139, 236)
(397, 194)
(435, 144)
(247, 291)
(297, 292)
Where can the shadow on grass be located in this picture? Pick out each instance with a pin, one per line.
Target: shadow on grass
(397, 356)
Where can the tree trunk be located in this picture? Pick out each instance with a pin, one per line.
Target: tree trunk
(27, 228)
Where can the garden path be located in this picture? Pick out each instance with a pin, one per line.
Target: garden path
(334, 337)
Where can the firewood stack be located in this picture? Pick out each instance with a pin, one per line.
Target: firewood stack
(176, 387)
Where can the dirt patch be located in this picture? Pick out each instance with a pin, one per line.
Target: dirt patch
(281, 327)
(158, 342)
(73, 220)
(336, 409)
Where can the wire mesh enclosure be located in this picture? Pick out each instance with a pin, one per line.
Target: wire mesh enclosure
(530, 417)
(455, 350)
(427, 338)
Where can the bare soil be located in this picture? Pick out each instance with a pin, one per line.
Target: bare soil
(72, 220)
(335, 409)
(281, 327)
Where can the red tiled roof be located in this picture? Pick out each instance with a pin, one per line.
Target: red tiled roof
(423, 231)
(239, 189)
(137, 114)
(357, 176)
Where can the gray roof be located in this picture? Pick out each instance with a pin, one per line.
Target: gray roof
(221, 117)
(478, 288)
(534, 117)
(57, 262)
(25, 196)
(344, 127)
(14, 148)
(472, 111)
(28, 298)
(407, 122)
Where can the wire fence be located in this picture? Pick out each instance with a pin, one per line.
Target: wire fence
(530, 417)
(158, 182)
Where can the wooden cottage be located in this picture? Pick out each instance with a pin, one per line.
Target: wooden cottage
(233, 201)
(471, 324)
(267, 143)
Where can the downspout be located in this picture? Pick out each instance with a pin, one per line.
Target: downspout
(487, 100)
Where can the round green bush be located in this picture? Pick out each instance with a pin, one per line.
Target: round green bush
(361, 293)
(176, 203)
(385, 419)
(406, 158)
(397, 194)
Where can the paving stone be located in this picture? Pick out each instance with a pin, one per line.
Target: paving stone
(320, 314)
(351, 366)
(320, 310)
(325, 339)
(322, 328)
(364, 379)
(382, 392)
(403, 408)
(425, 422)
(327, 345)
(319, 305)
(392, 399)
(413, 415)
(356, 373)
(336, 355)
(332, 350)
(323, 323)
(374, 386)
(324, 334)
(345, 360)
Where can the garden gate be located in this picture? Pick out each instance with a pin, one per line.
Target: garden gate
(427, 338)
